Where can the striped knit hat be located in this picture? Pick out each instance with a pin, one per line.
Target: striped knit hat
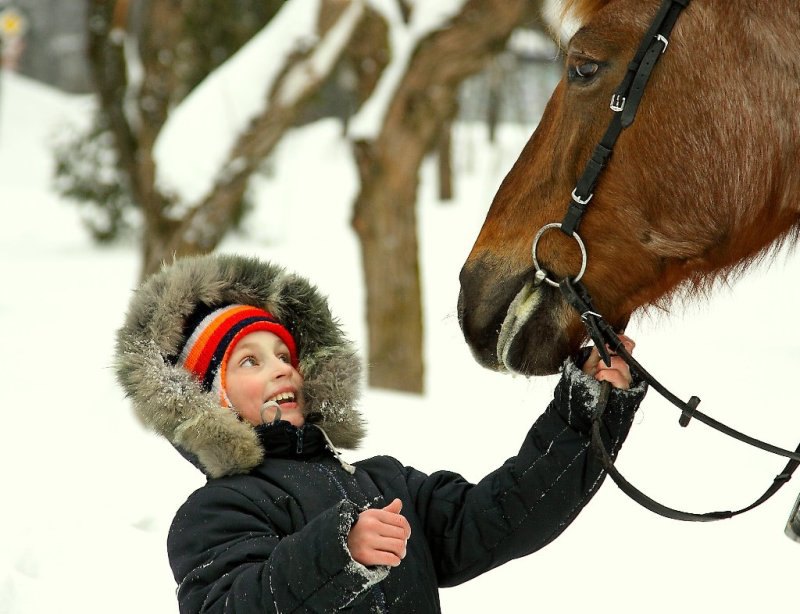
(211, 334)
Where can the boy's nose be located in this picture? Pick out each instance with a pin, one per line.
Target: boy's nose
(282, 369)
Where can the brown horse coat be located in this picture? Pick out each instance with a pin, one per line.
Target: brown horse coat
(703, 183)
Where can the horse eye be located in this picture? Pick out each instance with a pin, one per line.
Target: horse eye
(586, 70)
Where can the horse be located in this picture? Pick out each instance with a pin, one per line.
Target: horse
(701, 185)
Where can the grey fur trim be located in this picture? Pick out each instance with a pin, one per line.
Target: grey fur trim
(170, 402)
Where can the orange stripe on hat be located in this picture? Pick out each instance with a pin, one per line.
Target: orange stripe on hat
(206, 337)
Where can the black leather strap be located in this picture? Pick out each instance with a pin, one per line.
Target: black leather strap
(659, 508)
(628, 95)
(602, 334)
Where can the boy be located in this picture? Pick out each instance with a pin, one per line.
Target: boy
(243, 369)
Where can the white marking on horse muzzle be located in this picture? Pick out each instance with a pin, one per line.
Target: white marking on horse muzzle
(519, 312)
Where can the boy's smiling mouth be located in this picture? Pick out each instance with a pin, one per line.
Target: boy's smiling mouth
(282, 397)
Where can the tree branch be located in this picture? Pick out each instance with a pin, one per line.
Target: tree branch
(206, 224)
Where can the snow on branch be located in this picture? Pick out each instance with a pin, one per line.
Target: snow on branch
(207, 205)
(425, 18)
(321, 61)
(215, 114)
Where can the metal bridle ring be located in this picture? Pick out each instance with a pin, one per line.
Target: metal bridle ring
(540, 272)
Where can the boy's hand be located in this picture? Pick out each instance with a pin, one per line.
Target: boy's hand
(618, 374)
(379, 536)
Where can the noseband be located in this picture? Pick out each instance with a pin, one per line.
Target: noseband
(624, 103)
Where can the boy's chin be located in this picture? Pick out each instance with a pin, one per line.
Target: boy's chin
(293, 415)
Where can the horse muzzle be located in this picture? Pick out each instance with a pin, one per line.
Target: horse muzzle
(513, 324)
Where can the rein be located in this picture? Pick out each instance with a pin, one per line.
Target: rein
(624, 103)
(603, 335)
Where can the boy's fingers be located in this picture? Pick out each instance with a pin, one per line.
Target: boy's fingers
(392, 531)
(595, 366)
(384, 558)
(617, 364)
(406, 527)
(618, 374)
(615, 378)
(391, 545)
(627, 342)
(395, 518)
(394, 507)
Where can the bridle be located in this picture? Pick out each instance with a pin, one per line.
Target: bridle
(624, 103)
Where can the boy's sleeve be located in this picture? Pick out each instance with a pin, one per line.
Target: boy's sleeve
(535, 495)
(227, 557)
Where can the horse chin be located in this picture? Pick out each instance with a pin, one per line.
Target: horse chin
(532, 338)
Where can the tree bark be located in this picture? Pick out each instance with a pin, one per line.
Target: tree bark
(445, 161)
(384, 213)
(162, 31)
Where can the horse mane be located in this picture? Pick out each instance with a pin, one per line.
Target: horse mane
(580, 10)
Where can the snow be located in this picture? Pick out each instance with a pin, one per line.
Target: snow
(324, 56)
(88, 494)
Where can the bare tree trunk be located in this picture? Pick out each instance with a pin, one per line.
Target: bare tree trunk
(384, 213)
(109, 73)
(162, 29)
(445, 161)
(494, 85)
(385, 220)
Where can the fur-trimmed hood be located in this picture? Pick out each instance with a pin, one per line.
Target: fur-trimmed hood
(172, 403)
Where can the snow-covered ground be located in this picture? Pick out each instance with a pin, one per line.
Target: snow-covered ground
(88, 495)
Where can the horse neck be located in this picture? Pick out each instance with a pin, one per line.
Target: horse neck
(753, 104)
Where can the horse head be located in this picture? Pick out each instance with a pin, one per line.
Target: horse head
(703, 182)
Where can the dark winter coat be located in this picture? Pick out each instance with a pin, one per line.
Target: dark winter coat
(267, 533)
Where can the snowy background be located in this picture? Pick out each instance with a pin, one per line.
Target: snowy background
(88, 495)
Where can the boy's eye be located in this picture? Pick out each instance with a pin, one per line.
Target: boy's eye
(284, 358)
(248, 361)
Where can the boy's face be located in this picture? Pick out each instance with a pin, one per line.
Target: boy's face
(260, 370)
